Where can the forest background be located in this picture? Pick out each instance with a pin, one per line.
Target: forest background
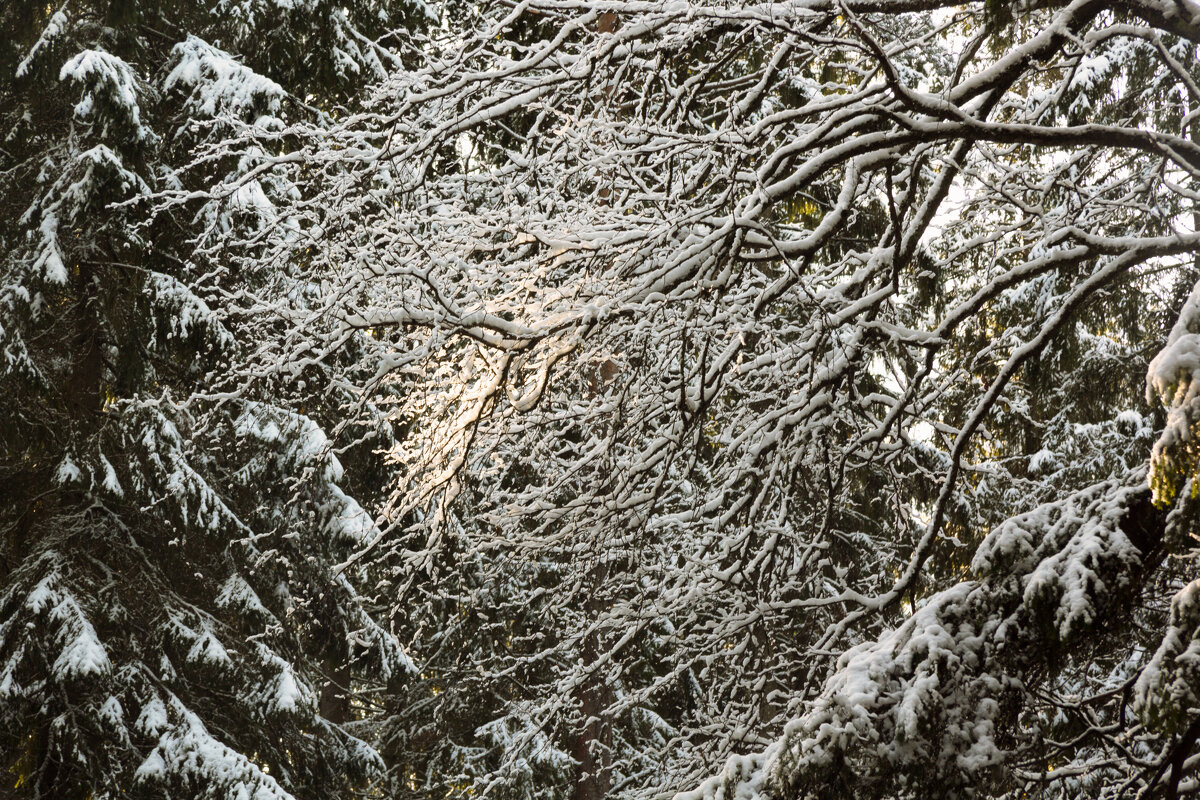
(573, 399)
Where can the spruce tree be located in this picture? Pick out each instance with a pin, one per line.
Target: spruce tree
(171, 619)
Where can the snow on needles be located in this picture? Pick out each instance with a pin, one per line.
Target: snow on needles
(1172, 377)
(189, 751)
(220, 85)
(108, 81)
(929, 693)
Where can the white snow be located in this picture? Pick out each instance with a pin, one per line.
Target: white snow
(67, 471)
(219, 85)
(102, 73)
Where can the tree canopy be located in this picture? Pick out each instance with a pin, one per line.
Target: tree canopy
(606, 399)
